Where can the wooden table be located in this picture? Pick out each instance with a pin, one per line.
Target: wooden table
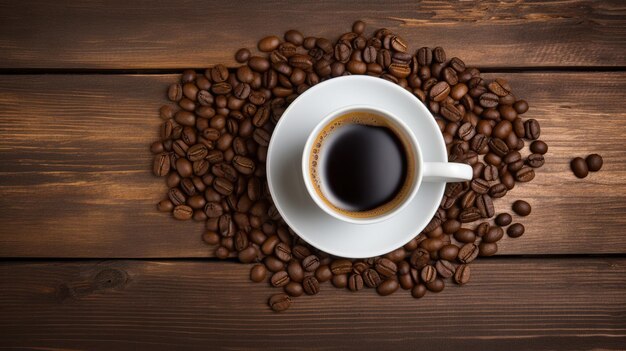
(89, 264)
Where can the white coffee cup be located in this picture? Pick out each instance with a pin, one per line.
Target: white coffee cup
(421, 172)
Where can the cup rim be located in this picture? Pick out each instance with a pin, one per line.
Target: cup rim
(414, 144)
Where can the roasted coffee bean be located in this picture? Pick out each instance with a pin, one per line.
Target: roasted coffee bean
(295, 271)
(439, 91)
(358, 27)
(445, 268)
(466, 131)
(176, 196)
(280, 278)
(341, 266)
(398, 44)
(508, 180)
(450, 226)
(579, 167)
(418, 291)
(449, 252)
(487, 249)
(268, 43)
(522, 208)
(279, 302)
(355, 282)
(243, 164)
(539, 147)
(258, 273)
(311, 285)
(310, 263)
(503, 219)
(387, 287)
(525, 174)
(488, 100)
(182, 212)
(485, 206)
(419, 258)
(165, 205)
(439, 55)
(161, 166)
(241, 240)
(424, 56)
(450, 112)
(300, 252)
(500, 87)
(261, 136)
(323, 273)
(479, 142)
(371, 278)
(282, 251)
(222, 252)
(436, 286)
(512, 156)
(406, 281)
(226, 225)
(515, 230)
(258, 64)
(498, 147)
(385, 267)
(531, 129)
(469, 215)
(294, 289)
(465, 235)
(428, 274)
(295, 37)
(490, 173)
(247, 255)
(493, 234)
(213, 209)
(359, 267)
(594, 162)
(535, 160)
(462, 274)
(223, 186)
(175, 92)
(467, 253)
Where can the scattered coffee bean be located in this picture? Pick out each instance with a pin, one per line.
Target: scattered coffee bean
(462, 274)
(387, 287)
(515, 230)
(594, 162)
(503, 219)
(521, 207)
(258, 273)
(279, 302)
(579, 167)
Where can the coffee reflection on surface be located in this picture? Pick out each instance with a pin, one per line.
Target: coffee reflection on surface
(361, 165)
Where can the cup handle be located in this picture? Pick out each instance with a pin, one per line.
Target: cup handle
(446, 172)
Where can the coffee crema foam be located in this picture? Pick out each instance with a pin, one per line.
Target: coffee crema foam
(316, 163)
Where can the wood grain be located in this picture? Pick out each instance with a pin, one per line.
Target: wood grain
(75, 172)
(510, 304)
(169, 34)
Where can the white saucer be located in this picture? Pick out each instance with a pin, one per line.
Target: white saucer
(284, 173)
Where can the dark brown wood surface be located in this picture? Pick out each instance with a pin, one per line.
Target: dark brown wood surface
(88, 264)
(169, 34)
(511, 304)
(76, 172)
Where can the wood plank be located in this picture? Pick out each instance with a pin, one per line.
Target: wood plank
(167, 34)
(510, 304)
(75, 172)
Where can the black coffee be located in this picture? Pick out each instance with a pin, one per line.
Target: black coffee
(360, 165)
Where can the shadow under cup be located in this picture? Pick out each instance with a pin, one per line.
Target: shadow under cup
(383, 142)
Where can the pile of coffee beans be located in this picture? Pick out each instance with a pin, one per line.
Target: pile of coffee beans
(581, 168)
(213, 147)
